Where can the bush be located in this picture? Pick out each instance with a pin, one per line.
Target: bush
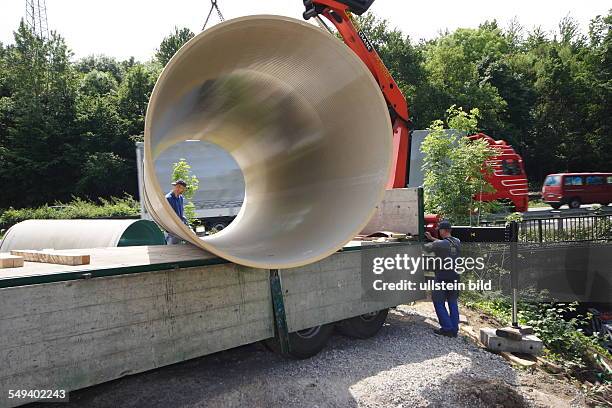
(455, 167)
(564, 341)
(77, 208)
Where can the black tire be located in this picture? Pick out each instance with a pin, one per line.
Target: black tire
(364, 326)
(555, 206)
(218, 226)
(304, 343)
(574, 203)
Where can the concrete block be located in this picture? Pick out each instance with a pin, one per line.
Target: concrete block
(529, 343)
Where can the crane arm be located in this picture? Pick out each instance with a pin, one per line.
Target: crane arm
(338, 13)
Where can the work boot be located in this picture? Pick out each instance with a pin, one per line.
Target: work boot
(441, 332)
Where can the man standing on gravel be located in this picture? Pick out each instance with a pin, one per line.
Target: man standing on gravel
(445, 247)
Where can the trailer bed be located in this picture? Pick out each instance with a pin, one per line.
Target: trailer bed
(138, 308)
(121, 260)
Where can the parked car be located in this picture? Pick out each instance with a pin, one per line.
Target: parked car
(575, 189)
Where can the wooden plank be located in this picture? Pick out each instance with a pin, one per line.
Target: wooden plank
(398, 212)
(53, 257)
(515, 359)
(510, 332)
(10, 261)
(120, 257)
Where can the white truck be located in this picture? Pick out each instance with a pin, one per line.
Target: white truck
(221, 189)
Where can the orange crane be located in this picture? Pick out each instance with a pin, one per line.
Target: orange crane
(337, 12)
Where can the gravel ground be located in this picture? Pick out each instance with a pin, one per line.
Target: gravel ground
(405, 365)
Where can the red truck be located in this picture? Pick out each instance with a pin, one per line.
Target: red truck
(508, 176)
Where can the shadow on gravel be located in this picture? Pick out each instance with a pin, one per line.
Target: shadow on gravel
(461, 390)
(403, 365)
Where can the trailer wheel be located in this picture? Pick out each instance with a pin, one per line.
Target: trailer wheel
(364, 326)
(304, 343)
(555, 206)
(574, 203)
(219, 225)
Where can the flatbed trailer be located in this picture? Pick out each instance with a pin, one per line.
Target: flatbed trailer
(138, 308)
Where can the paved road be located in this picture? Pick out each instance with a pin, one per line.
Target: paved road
(564, 208)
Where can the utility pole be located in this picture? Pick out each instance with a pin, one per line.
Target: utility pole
(36, 18)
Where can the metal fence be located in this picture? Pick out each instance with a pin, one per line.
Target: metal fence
(583, 228)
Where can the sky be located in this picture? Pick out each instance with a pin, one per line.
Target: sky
(124, 28)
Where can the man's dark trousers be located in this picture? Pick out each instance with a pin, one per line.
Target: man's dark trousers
(448, 318)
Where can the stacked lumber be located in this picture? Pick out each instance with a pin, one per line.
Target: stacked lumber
(10, 261)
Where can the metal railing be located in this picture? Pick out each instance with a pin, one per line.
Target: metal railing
(559, 228)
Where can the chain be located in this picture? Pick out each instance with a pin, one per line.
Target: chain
(213, 5)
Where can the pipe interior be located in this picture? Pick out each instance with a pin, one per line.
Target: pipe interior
(305, 122)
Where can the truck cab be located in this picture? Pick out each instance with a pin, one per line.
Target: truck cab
(508, 177)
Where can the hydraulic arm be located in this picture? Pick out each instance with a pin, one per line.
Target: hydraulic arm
(338, 13)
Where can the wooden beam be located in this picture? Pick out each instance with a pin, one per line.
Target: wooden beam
(523, 361)
(53, 257)
(10, 261)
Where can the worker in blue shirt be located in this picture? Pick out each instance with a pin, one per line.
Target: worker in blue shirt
(446, 246)
(177, 202)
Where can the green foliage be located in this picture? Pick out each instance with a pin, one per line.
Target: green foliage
(182, 170)
(98, 83)
(403, 60)
(452, 64)
(133, 97)
(600, 229)
(171, 44)
(453, 166)
(68, 128)
(516, 217)
(77, 208)
(563, 338)
(548, 96)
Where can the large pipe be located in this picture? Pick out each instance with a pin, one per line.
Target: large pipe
(76, 234)
(303, 118)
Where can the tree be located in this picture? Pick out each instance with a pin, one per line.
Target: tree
(41, 146)
(171, 44)
(133, 97)
(404, 61)
(98, 83)
(69, 128)
(452, 63)
(454, 167)
(101, 63)
(182, 170)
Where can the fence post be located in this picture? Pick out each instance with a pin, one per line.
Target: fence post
(540, 230)
(512, 236)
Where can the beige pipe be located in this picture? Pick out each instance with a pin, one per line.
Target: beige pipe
(76, 234)
(305, 121)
